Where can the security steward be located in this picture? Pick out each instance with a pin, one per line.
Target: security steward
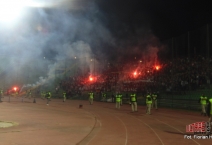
(118, 101)
(1, 94)
(64, 96)
(104, 97)
(203, 102)
(30, 94)
(154, 101)
(148, 104)
(120, 96)
(48, 97)
(209, 112)
(133, 101)
(91, 96)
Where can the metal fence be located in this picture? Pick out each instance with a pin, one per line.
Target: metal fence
(191, 43)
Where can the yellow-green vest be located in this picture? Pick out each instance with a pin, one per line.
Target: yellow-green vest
(154, 97)
(91, 95)
(118, 99)
(133, 99)
(210, 100)
(104, 95)
(203, 100)
(148, 101)
(48, 95)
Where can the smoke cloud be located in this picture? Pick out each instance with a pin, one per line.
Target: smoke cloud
(59, 37)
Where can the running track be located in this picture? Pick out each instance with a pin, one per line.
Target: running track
(98, 124)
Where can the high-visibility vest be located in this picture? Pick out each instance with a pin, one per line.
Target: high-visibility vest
(148, 99)
(64, 95)
(210, 100)
(103, 95)
(133, 99)
(154, 97)
(48, 95)
(118, 99)
(203, 100)
(91, 95)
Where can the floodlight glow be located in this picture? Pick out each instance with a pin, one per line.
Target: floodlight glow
(9, 10)
(12, 10)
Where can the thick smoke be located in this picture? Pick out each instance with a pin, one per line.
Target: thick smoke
(50, 39)
(59, 38)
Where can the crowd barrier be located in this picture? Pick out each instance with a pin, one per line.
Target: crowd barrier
(188, 101)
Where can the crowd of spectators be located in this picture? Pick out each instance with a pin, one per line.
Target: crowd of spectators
(176, 76)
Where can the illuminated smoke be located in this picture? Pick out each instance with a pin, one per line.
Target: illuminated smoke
(142, 57)
(51, 39)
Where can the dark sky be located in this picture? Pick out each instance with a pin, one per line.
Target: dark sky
(115, 27)
(165, 18)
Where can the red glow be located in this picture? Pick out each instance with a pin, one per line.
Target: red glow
(135, 73)
(157, 67)
(14, 88)
(91, 78)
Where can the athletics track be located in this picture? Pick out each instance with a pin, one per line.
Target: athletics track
(98, 124)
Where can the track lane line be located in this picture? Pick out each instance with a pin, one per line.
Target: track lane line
(152, 130)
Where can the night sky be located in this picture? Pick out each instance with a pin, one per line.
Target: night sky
(165, 18)
(123, 28)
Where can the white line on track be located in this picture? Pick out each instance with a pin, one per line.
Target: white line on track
(175, 129)
(152, 130)
(126, 140)
(177, 120)
(173, 126)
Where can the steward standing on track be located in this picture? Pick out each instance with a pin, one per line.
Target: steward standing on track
(118, 100)
(30, 94)
(209, 112)
(48, 97)
(104, 97)
(120, 95)
(1, 94)
(133, 101)
(203, 102)
(148, 103)
(91, 95)
(64, 96)
(42, 95)
(154, 101)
